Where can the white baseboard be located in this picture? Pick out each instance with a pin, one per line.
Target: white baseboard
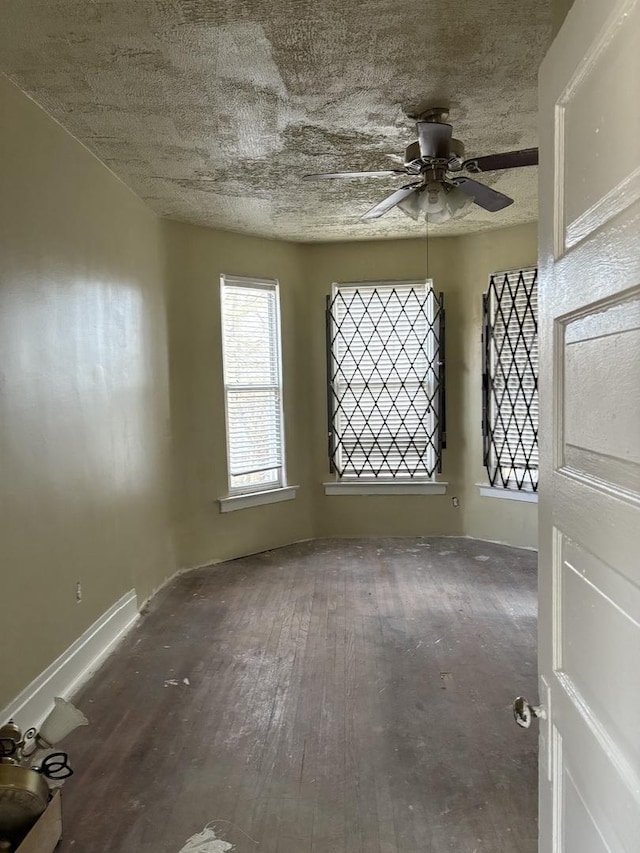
(216, 561)
(493, 542)
(74, 666)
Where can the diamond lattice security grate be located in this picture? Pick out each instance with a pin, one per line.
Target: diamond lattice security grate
(510, 379)
(386, 380)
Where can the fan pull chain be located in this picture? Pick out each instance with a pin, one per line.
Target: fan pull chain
(426, 223)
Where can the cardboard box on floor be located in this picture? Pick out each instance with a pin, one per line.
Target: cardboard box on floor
(44, 835)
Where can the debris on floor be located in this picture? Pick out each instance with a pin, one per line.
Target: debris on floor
(206, 842)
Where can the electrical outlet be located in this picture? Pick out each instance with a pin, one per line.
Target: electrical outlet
(455, 502)
(78, 592)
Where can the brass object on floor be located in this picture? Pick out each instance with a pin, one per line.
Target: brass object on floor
(23, 797)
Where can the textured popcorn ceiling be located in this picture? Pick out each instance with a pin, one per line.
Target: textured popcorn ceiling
(211, 110)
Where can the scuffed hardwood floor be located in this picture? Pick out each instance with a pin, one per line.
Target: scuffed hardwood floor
(328, 697)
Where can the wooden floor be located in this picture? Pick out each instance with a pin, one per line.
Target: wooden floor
(328, 697)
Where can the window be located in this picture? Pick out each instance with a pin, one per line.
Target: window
(510, 379)
(385, 381)
(252, 384)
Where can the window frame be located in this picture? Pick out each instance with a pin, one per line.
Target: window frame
(504, 486)
(267, 489)
(399, 483)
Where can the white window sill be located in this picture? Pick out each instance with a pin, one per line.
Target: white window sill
(355, 487)
(507, 494)
(230, 503)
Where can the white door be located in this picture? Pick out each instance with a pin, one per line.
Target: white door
(589, 644)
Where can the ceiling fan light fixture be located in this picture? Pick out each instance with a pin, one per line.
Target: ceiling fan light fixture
(437, 203)
(457, 204)
(412, 206)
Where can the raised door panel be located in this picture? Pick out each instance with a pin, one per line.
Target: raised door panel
(598, 165)
(599, 420)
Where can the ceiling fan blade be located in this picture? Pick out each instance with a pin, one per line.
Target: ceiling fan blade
(434, 138)
(390, 201)
(506, 160)
(483, 195)
(331, 176)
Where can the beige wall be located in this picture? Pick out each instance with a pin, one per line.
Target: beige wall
(196, 259)
(479, 255)
(378, 515)
(559, 11)
(84, 428)
(460, 267)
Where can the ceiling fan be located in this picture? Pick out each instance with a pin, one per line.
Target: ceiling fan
(438, 191)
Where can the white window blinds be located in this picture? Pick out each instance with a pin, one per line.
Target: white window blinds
(385, 380)
(253, 384)
(511, 379)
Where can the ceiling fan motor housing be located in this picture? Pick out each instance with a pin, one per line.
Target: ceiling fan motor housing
(419, 156)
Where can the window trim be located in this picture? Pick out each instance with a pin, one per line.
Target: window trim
(506, 489)
(231, 503)
(281, 484)
(510, 494)
(381, 487)
(389, 485)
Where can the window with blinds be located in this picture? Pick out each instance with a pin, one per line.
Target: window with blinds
(385, 380)
(252, 384)
(510, 379)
